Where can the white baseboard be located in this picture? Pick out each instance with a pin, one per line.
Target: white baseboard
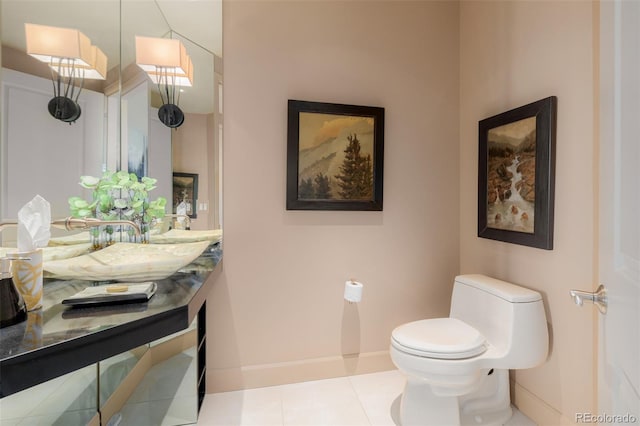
(256, 376)
(536, 409)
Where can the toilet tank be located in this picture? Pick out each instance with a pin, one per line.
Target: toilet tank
(511, 318)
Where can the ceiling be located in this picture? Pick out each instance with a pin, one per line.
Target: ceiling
(198, 23)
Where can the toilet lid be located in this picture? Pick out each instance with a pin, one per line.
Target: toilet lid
(443, 338)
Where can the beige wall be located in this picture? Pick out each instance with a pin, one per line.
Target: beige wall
(278, 305)
(437, 68)
(513, 53)
(189, 145)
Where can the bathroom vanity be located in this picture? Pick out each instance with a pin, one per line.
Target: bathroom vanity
(57, 340)
(104, 349)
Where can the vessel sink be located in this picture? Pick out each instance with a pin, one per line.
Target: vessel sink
(183, 236)
(78, 238)
(127, 262)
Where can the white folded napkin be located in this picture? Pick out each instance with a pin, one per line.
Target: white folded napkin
(182, 210)
(34, 224)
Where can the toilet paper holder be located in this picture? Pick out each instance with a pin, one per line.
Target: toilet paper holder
(353, 291)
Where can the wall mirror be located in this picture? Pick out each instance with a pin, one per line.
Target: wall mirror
(118, 128)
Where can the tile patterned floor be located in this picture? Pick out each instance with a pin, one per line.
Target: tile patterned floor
(166, 396)
(368, 399)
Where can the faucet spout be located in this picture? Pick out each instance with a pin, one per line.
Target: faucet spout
(73, 223)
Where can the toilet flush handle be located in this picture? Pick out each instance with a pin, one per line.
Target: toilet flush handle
(598, 298)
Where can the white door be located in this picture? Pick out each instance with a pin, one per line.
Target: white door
(619, 265)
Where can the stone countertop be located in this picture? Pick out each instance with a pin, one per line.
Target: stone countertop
(58, 339)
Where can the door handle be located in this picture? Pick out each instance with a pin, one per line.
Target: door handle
(598, 298)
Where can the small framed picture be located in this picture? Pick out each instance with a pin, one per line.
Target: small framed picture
(334, 156)
(185, 190)
(516, 175)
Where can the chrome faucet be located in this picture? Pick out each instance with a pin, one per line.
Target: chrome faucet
(187, 222)
(73, 223)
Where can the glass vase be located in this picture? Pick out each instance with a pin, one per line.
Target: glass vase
(130, 235)
(102, 236)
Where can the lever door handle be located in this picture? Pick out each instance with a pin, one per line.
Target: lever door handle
(598, 298)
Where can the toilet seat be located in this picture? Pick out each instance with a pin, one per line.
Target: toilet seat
(441, 338)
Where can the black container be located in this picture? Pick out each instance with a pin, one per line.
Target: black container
(13, 310)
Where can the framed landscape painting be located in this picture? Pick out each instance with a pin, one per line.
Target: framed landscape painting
(516, 175)
(185, 190)
(334, 156)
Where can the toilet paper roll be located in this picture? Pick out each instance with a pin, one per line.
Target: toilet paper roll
(353, 291)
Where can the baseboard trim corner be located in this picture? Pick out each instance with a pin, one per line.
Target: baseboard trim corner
(536, 409)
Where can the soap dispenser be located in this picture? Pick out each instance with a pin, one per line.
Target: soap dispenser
(12, 307)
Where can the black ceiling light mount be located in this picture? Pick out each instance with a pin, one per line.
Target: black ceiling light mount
(169, 113)
(63, 106)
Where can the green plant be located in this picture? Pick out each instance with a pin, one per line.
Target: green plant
(118, 195)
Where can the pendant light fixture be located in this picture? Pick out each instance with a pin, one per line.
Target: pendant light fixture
(168, 65)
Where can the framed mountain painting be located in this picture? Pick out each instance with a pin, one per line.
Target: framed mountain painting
(334, 156)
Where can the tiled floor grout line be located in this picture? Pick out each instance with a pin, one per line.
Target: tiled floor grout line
(359, 400)
(282, 406)
(366, 391)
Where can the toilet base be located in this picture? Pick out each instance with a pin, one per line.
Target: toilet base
(488, 405)
(419, 406)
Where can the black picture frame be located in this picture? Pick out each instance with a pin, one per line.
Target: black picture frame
(185, 187)
(335, 156)
(507, 193)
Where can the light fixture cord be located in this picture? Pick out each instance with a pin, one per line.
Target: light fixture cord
(72, 78)
(81, 85)
(56, 90)
(178, 100)
(69, 80)
(166, 84)
(159, 83)
(164, 81)
(173, 86)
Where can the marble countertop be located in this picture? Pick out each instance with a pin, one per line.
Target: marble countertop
(58, 339)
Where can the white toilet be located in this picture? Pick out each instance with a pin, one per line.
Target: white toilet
(457, 368)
